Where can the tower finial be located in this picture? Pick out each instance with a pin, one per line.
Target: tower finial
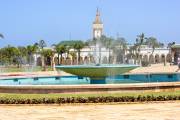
(97, 12)
(97, 19)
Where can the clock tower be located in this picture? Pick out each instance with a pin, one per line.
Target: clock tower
(97, 26)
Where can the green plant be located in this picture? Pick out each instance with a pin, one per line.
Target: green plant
(99, 99)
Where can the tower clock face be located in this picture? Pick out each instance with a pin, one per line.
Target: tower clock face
(97, 33)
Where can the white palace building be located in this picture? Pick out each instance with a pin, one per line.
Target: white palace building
(160, 55)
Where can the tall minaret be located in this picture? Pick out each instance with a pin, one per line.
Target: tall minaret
(97, 26)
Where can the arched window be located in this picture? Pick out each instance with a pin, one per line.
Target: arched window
(151, 59)
(157, 59)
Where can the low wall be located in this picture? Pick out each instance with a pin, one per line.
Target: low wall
(143, 87)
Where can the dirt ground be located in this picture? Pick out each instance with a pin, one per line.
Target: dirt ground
(141, 111)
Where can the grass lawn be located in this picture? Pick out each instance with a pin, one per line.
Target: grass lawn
(22, 69)
(85, 95)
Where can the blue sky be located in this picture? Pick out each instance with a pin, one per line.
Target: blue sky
(25, 22)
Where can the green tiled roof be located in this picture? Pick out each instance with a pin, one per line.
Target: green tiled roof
(175, 46)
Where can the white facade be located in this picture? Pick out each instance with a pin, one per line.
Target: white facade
(160, 55)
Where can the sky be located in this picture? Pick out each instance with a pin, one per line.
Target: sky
(24, 22)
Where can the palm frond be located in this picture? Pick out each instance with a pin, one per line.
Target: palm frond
(1, 35)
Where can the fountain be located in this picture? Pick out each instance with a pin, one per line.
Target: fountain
(97, 72)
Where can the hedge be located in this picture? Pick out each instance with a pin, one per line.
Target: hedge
(102, 99)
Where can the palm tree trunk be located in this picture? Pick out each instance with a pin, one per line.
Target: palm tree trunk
(52, 63)
(152, 54)
(79, 57)
(42, 61)
(61, 59)
(138, 56)
(58, 59)
(109, 56)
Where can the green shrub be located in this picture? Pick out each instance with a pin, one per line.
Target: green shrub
(100, 99)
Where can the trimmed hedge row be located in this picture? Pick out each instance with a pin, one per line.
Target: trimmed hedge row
(102, 99)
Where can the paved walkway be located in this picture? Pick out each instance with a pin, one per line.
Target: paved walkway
(156, 68)
(148, 111)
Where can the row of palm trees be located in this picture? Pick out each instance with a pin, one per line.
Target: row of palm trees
(20, 55)
(11, 55)
(141, 40)
(66, 46)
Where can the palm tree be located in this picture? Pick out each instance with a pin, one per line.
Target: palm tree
(68, 47)
(140, 40)
(170, 48)
(48, 53)
(171, 44)
(10, 54)
(1, 36)
(106, 42)
(31, 49)
(36, 45)
(99, 44)
(1, 52)
(153, 43)
(60, 49)
(132, 50)
(42, 44)
(109, 46)
(73, 55)
(23, 55)
(78, 45)
(120, 47)
(17, 57)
